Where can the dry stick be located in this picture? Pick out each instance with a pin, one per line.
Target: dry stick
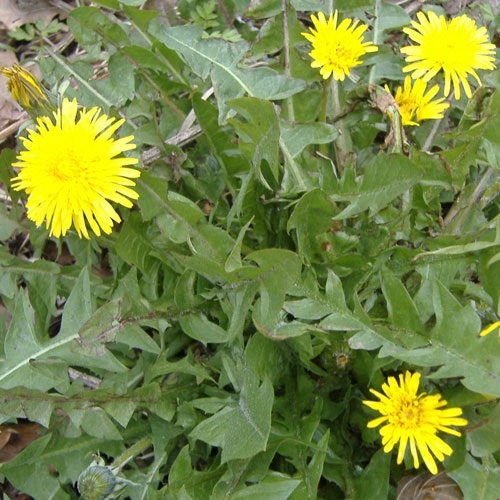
(191, 117)
(286, 56)
(180, 139)
(187, 133)
(225, 12)
(88, 380)
(414, 6)
(59, 4)
(13, 127)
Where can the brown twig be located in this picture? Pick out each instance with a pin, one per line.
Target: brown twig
(180, 139)
(13, 127)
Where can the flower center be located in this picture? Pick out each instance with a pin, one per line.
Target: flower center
(67, 167)
(336, 51)
(338, 55)
(407, 413)
(74, 160)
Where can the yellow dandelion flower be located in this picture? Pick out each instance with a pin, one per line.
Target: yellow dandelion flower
(70, 168)
(456, 46)
(490, 328)
(414, 102)
(337, 49)
(414, 418)
(27, 90)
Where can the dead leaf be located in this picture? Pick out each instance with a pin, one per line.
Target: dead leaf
(14, 438)
(9, 109)
(14, 493)
(427, 486)
(14, 13)
(7, 318)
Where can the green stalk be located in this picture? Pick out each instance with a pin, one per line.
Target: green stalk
(132, 452)
(343, 142)
(371, 79)
(432, 134)
(323, 148)
(290, 162)
(435, 127)
(286, 56)
(397, 127)
(459, 212)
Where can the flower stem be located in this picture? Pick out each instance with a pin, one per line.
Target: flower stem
(286, 56)
(460, 210)
(344, 137)
(293, 166)
(436, 125)
(323, 148)
(132, 452)
(397, 128)
(373, 69)
(428, 142)
(335, 97)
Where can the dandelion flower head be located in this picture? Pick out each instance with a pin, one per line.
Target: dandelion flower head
(415, 419)
(456, 46)
(71, 167)
(337, 49)
(415, 105)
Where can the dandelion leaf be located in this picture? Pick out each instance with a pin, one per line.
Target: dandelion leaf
(220, 60)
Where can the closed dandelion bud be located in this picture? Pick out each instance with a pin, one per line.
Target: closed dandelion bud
(341, 359)
(96, 482)
(27, 91)
(337, 358)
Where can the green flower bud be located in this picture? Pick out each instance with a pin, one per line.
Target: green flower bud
(96, 482)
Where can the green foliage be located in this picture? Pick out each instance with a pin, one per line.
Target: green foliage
(284, 257)
(29, 32)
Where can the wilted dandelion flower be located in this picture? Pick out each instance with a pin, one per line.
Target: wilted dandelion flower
(490, 328)
(456, 46)
(71, 168)
(413, 102)
(414, 418)
(337, 49)
(27, 90)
